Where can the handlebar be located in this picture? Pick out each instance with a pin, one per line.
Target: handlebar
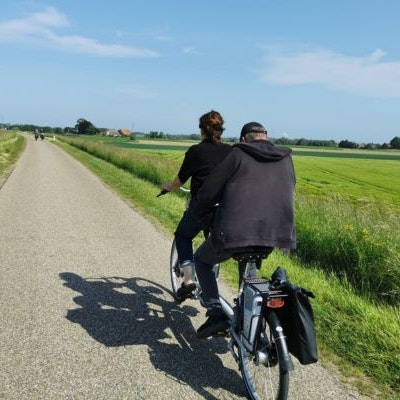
(163, 191)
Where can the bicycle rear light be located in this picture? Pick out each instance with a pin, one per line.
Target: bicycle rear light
(275, 303)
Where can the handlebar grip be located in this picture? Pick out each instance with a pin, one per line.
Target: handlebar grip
(163, 191)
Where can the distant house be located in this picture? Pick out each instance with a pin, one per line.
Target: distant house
(125, 132)
(112, 132)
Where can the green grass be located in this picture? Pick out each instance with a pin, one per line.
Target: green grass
(359, 180)
(362, 334)
(360, 245)
(11, 146)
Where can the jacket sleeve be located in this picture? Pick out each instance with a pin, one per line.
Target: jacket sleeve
(211, 191)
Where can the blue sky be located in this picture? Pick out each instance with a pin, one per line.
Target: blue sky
(313, 69)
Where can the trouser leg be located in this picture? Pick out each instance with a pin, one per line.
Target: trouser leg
(205, 258)
(186, 230)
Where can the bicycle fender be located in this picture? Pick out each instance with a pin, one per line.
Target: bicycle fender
(285, 361)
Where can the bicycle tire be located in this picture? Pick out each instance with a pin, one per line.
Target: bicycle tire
(176, 273)
(264, 381)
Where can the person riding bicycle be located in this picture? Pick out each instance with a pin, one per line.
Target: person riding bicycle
(200, 159)
(254, 187)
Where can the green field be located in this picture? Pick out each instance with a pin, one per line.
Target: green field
(361, 175)
(362, 179)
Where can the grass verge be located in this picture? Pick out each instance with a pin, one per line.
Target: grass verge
(11, 146)
(364, 336)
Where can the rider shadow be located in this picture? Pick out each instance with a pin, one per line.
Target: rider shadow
(119, 311)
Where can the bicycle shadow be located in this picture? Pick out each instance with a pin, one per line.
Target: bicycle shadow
(118, 311)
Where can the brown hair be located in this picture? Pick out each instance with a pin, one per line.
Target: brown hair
(211, 125)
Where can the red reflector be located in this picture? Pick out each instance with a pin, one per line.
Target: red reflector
(275, 303)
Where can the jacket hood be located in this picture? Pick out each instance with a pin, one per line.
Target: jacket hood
(263, 150)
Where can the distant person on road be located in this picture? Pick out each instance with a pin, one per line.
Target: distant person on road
(200, 159)
(254, 187)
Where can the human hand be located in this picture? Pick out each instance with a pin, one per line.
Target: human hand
(166, 186)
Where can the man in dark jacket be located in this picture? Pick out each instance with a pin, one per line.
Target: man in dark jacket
(254, 187)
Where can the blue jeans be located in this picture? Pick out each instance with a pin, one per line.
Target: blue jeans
(187, 229)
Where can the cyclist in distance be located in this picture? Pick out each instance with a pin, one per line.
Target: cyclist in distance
(200, 159)
(254, 187)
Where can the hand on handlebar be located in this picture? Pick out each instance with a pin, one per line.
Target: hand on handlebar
(165, 188)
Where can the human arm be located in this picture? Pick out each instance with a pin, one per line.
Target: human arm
(171, 186)
(185, 172)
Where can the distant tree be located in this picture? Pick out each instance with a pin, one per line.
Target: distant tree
(345, 144)
(47, 129)
(301, 142)
(195, 136)
(156, 135)
(85, 127)
(282, 140)
(395, 142)
(153, 135)
(370, 146)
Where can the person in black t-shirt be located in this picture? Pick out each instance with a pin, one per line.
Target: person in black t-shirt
(200, 159)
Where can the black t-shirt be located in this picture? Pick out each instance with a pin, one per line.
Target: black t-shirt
(200, 159)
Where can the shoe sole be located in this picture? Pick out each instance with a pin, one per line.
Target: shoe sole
(222, 331)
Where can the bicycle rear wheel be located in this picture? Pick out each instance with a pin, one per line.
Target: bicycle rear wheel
(261, 373)
(176, 272)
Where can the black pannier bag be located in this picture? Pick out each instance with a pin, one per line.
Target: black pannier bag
(297, 320)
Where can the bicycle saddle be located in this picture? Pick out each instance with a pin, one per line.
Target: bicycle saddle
(253, 253)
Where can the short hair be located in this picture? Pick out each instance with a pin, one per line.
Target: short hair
(211, 125)
(252, 131)
(255, 135)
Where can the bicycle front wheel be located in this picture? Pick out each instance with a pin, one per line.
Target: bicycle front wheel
(175, 271)
(261, 373)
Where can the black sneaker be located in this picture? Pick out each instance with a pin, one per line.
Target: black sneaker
(185, 292)
(216, 325)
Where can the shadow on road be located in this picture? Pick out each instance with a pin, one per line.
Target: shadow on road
(119, 311)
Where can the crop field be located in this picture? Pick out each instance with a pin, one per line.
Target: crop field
(359, 175)
(360, 179)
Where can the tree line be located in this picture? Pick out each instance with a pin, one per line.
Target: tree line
(85, 127)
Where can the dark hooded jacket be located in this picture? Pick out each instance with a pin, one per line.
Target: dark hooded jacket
(254, 187)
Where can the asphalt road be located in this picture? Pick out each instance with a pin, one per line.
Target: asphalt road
(85, 308)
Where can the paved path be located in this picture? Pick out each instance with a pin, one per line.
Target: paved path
(85, 311)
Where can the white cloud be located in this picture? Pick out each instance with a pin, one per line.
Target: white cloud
(40, 29)
(190, 50)
(368, 75)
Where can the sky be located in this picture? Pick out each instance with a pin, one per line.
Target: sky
(313, 69)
